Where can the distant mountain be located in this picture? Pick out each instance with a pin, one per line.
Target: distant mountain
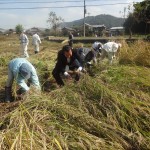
(108, 20)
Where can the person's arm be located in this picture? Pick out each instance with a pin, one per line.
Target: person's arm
(21, 82)
(34, 79)
(39, 39)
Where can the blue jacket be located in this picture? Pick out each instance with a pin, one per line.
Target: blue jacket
(14, 67)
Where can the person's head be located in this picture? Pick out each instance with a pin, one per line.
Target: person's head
(25, 71)
(67, 51)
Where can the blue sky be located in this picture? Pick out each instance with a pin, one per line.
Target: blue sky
(38, 17)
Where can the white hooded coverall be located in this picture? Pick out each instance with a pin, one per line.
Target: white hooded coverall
(36, 41)
(110, 48)
(24, 45)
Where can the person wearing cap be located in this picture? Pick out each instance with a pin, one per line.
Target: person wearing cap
(110, 49)
(66, 60)
(85, 56)
(22, 71)
(35, 42)
(96, 47)
(24, 41)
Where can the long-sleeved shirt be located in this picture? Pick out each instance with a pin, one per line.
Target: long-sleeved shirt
(24, 39)
(36, 39)
(14, 66)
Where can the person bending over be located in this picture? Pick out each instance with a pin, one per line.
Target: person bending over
(24, 73)
(110, 49)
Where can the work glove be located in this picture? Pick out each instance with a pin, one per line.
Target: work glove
(67, 75)
(79, 69)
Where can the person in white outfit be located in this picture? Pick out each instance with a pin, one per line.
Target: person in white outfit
(35, 42)
(110, 49)
(24, 44)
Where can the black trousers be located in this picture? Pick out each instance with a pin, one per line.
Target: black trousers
(57, 75)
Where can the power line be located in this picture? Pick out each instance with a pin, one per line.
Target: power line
(77, 1)
(52, 1)
(63, 6)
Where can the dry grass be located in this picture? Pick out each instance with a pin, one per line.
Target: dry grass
(135, 53)
(110, 110)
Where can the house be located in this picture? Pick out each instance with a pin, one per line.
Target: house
(9, 32)
(115, 31)
(2, 31)
(97, 30)
(66, 30)
(34, 30)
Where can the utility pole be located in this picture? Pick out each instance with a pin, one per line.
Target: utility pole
(84, 18)
(124, 14)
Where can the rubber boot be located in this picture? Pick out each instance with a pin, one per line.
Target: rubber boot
(8, 94)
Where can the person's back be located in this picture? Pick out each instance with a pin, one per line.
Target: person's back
(36, 39)
(111, 46)
(110, 49)
(24, 38)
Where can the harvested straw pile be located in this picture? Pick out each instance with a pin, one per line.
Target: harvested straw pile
(110, 110)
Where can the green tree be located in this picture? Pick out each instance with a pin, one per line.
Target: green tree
(130, 21)
(138, 18)
(19, 28)
(54, 21)
(142, 12)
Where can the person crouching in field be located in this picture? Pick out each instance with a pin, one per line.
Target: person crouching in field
(85, 56)
(24, 44)
(67, 63)
(22, 71)
(110, 49)
(35, 42)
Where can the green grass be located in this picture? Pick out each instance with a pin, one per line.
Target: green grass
(108, 110)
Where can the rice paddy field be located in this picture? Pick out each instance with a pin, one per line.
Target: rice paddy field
(108, 109)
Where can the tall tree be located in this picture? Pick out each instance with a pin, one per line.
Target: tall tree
(142, 12)
(139, 18)
(130, 21)
(19, 28)
(54, 21)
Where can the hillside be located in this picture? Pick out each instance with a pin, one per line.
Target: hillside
(108, 20)
(108, 109)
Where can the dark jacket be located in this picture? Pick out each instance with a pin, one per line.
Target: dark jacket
(62, 62)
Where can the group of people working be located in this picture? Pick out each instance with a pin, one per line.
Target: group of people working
(69, 62)
(24, 41)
